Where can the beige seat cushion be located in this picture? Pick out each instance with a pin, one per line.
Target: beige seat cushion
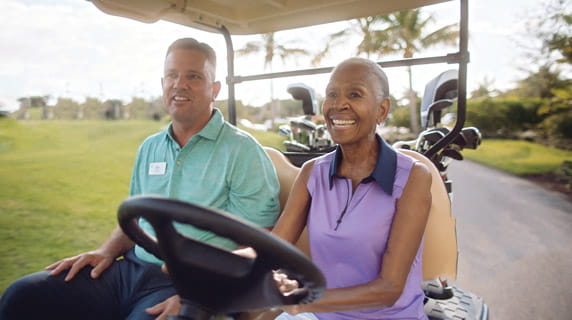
(440, 240)
(287, 173)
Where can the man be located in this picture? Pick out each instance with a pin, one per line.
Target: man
(200, 158)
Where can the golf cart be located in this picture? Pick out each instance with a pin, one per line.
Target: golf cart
(231, 17)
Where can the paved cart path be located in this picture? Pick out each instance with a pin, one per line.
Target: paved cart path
(515, 243)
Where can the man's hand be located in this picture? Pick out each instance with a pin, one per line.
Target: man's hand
(168, 307)
(98, 259)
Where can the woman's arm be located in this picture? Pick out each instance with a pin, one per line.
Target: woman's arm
(404, 240)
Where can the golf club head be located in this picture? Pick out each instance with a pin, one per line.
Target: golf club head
(472, 137)
(303, 124)
(307, 94)
(453, 154)
(295, 146)
(428, 138)
(439, 93)
(285, 130)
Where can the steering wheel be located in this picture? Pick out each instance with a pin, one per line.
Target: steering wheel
(211, 280)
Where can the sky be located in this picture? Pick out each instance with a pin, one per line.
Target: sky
(68, 48)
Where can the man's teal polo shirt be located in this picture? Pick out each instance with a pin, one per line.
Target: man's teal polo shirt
(221, 167)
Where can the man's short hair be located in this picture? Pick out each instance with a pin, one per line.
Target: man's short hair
(193, 44)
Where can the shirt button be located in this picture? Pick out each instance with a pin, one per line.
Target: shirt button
(178, 162)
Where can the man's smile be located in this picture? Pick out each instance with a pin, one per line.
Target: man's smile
(181, 98)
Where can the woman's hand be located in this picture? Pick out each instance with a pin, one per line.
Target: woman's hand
(284, 284)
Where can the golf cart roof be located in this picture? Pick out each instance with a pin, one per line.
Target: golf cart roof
(252, 16)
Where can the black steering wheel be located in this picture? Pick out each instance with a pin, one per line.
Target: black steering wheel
(210, 280)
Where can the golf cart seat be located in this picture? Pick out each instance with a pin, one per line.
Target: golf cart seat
(287, 173)
(440, 238)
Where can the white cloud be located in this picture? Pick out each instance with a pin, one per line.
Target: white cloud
(70, 48)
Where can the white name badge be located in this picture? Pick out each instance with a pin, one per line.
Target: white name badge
(157, 168)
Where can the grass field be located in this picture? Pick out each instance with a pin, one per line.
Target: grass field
(61, 183)
(519, 157)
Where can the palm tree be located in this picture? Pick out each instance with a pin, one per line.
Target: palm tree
(401, 32)
(406, 32)
(271, 48)
(361, 27)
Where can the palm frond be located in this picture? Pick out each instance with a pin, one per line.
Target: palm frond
(445, 35)
(249, 48)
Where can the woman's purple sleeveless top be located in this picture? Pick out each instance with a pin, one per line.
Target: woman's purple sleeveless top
(349, 232)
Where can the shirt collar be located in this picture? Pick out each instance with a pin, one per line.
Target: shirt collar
(385, 167)
(210, 131)
(213, 127)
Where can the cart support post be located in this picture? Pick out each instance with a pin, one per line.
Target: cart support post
(461, 82)
(231, 100)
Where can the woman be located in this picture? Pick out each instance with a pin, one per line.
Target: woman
(365, 206)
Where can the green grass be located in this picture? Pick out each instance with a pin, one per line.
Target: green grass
(268, 139)
(518, 157)
(60, 185)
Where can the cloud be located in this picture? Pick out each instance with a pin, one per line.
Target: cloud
(70, 48)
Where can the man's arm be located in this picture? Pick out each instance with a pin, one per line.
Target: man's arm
(254, 186)
(100, 259)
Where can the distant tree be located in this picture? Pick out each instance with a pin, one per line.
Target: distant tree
(271, 48)
(36, 102)
(157, 109)
(557, 112)
(540, 83)
(555, 30)
(548, 36)
(113, 109)
(92, 108)
(139, 108)
(67, 108)
(484, 90)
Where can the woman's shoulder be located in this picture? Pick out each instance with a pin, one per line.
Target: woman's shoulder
(316, 166)
(405, 158)
(413, 161)
(410, 166)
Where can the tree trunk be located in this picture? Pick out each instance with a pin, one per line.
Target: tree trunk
(44, 112)
(272, 102)
(413, 116)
